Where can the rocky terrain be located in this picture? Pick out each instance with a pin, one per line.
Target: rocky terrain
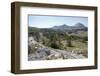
(50, 54)
(42, 52)
(58, 42)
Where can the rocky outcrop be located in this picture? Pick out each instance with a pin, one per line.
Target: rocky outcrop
(38, 51)
(51, 54)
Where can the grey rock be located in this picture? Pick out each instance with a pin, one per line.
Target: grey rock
(50, 54)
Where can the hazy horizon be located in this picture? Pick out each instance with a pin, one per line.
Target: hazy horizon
(42, 21)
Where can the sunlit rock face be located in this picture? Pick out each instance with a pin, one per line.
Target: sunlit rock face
(31, 40)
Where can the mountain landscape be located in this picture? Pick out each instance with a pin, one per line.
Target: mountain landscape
(76, 27)
(58, 42)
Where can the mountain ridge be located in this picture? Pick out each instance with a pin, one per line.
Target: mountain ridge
(66, 28)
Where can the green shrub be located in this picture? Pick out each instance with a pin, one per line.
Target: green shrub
(54, 45)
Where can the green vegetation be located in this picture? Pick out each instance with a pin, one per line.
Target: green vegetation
(60, 39)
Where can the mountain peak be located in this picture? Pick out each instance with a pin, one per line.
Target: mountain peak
(60, 26)
(64, 27)
(79, 25)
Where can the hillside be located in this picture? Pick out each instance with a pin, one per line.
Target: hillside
(62, 38)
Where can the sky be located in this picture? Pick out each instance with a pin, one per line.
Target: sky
(41, 21)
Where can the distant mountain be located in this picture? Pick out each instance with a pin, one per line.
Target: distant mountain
(59, 29)
(79, 25)
(61, 26)
(76, 27)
